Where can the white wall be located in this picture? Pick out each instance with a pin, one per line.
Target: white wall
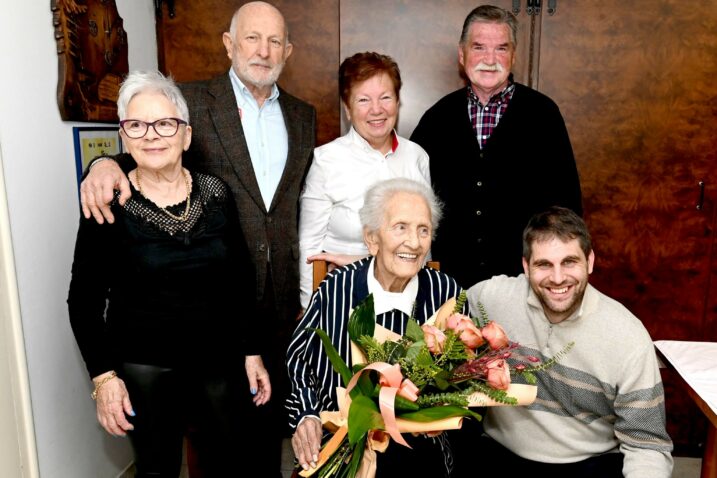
(38, 160)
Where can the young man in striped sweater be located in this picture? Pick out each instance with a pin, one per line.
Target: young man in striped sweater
(600, 410)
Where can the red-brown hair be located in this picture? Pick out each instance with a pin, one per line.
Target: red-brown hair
(362, 66)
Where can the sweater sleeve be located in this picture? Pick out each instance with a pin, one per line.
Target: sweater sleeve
(92, 267)
(640, 422)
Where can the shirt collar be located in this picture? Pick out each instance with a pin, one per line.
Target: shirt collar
(358, 139)
(498, 97)
(243, 94)
(384, 301)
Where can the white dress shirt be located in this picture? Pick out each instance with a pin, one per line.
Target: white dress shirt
(334, 191)
(265, 134)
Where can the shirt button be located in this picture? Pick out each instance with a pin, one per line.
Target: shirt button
(478, 213)
(479, 183)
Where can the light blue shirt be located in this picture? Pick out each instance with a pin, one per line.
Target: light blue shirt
(266, 136)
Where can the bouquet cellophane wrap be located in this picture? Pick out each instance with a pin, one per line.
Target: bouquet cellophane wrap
(337, 421)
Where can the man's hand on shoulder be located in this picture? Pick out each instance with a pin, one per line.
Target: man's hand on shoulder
(97, 190)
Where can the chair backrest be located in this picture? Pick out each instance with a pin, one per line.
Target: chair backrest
(321, 268)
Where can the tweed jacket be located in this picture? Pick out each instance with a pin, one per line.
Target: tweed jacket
(218, 147)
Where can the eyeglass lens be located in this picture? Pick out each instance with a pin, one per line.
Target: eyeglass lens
(164, 127)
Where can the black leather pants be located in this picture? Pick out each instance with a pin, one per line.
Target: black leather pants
(166, 401)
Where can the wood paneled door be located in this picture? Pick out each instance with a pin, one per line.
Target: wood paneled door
(636, 83)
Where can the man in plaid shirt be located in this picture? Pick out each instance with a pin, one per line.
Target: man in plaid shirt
(499, 153)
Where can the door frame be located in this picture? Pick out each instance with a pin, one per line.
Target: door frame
(18, 452)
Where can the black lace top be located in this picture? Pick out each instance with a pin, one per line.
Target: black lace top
(176, 292)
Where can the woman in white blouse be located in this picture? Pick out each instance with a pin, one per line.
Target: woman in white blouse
(342, 170)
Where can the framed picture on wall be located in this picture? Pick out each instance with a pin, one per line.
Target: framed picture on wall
(91, 142)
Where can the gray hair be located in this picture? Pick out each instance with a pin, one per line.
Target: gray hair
(150, 81)
(235, 20)
(490, 14)
(378, 196)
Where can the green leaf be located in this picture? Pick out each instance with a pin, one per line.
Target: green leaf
(362, 320)
(529, 377)
(403, 404)
(438, 413)
(336, 361)
(363, 416)
(460, 302)
(414, 349)
(441, 380)
(414, 331)
(356, 457)
(424, 357)
(365, 385)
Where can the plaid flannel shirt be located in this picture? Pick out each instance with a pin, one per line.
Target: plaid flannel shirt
(484, 118)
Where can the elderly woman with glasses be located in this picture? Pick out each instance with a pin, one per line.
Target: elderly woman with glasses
(159, 297)
(399, 218)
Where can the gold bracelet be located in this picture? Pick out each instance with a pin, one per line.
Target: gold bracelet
(109, 377)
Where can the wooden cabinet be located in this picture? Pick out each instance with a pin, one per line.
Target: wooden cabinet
(636, 82)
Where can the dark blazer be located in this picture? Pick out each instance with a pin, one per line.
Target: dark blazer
(219, 147)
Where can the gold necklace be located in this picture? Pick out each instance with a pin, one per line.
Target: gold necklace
(185, 214)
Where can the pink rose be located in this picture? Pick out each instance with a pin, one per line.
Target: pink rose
(464, 327)
(498, 374)
(434, 338)
(495, 335)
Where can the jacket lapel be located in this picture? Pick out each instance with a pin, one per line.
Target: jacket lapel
(294, 128)
(225, 117)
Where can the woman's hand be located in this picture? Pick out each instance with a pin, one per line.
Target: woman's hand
(112, 405)
(334, 260)
(259, 383)
(97, 190)
(306, 442)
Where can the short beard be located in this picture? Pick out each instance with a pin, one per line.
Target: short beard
(273, 76)
(568, 311)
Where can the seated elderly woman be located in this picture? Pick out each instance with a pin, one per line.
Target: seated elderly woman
(343, 169)
(177, 282)
(399, 218)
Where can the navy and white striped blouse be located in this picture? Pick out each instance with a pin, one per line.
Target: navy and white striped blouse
(313, 379)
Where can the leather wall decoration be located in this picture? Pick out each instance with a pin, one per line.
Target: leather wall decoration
(92, 58)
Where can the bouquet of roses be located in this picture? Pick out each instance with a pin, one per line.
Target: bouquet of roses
(422, 382)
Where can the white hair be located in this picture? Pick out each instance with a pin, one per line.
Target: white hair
(150, 81)
(378, 196)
